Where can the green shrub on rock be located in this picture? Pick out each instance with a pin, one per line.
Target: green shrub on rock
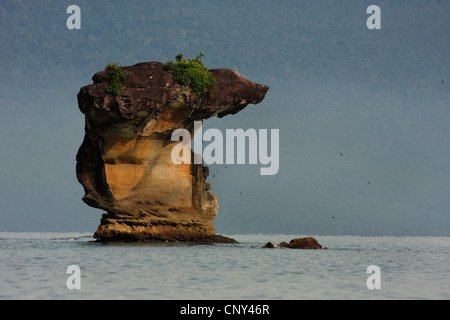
(117, 78)
(191, 72)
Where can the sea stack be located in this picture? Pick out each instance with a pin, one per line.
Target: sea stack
(124, 163)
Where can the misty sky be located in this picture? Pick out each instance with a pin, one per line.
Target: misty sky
(363, 114)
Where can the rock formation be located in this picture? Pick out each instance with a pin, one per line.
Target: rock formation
(304, 243)
(124, 162)
(297, 243)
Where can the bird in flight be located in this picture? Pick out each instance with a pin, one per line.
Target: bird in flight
(341, 154)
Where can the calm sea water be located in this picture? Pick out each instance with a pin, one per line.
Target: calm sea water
(34, 266)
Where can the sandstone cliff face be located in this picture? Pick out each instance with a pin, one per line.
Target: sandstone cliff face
(124, 162)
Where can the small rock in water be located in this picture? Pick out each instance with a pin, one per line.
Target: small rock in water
(269, 245)
(283, 244)
(297, 243)
(305, 243)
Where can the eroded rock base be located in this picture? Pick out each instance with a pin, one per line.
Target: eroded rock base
(150, 228)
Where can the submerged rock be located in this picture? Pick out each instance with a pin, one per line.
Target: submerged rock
(298, 243)
(283, 244)
(269, 245)
(304, 243)
(124, 162)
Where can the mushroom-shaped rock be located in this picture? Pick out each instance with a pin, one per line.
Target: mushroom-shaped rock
(124, 162)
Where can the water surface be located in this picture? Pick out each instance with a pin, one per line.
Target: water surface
(34, 266)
